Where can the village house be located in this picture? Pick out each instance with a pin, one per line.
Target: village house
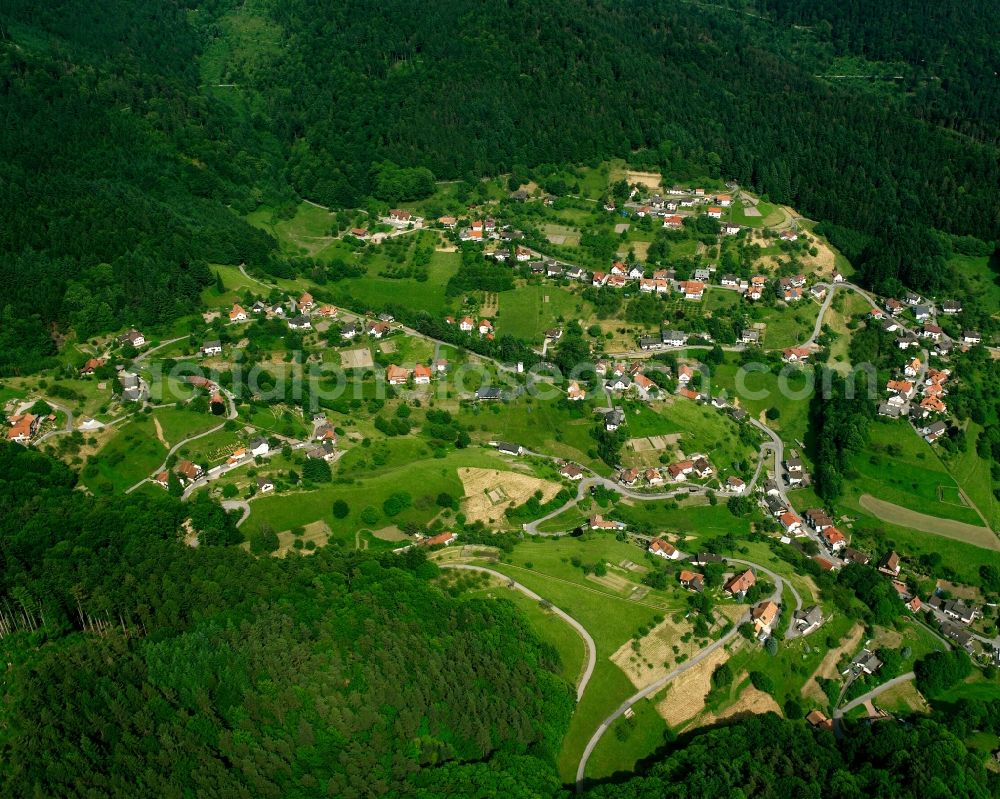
(628, 477)
(599, 279)
(692, 289)
(258, 307)
(377, 329)
(679, 471)
(818, 720)
(856, 556)
(968, 337)
(439, 540)
(259, 447)
(921, 312)
(792, 294)
(301, 322)
(912, 369)
(684, 374)
(397, 375)
(349, 331)
(903, 388)
(934, 431)
(422, 374)
(795, 355)
(265, 485)
(866, 662)
(817, 519)
(400, 216)
(614, 419)
(808, 619)
(894, 307)
(23, 427)
(93, 364)
(790, 523)
(133, 337)
(951, 307)
(834, 539)
(507, 448)
(237, 314)
(326, 312)
(714, 212)
(931, 331)
(750, 337)
(211, 348)
(738, 585)
(663, 549)
(326, 451)
(692, 581)
(729, 281)
(757, 285)
(598, 522)
(188, 471)
(574, 393)
(735, 485)
(571, 471)
(764, 615)
(889, 565)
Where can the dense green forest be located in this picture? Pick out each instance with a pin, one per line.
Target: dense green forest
(135, 135)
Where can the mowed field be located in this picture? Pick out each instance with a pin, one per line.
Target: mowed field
(948, 528)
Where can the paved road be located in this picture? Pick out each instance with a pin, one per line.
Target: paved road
(146, 353)
(238, 504)
(840, 711)
(654, 687)
(588, 641)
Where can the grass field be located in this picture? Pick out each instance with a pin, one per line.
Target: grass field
(982, 275)
(181, 424)
(759, 390)
(130, 455)
(644, 735)
(972, 473)
(769, 215)
(306, 233)
(529, 310)
(377, 291)
(541, 425)
(407, 468)
(789, 325)
(900, 467)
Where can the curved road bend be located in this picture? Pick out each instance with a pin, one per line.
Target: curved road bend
(230, 415)
(588, 642)
(654, 687)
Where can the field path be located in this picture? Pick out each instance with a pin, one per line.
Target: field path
(946, 528)
(159, 433)
(588, 641)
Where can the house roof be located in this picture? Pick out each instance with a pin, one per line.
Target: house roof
(740, 583)
(659, 545)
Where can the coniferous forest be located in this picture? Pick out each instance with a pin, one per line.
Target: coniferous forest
(128, 159)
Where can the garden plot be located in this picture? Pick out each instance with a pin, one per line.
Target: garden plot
(357, 359)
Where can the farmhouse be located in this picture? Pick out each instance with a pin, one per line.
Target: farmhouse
(211, 348)
(23, 427)
(265, 484)
(890, 565)
(574, 393)
(237, 314)
(934, 431)
(598, 522)
(259, 446)
(133, 337)
(714, 211)
(188, 471)
(421, 374)
(736, 485)
(439, 540)
(663, 549)
(614, 419)
(506, 448)
(628, 477)
(91, 365)
(795, 355)
(571, 471)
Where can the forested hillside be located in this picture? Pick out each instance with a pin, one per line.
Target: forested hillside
(153, 666)
(134, 134)
(143, 667)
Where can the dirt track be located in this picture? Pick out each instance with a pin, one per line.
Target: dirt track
(946, 528)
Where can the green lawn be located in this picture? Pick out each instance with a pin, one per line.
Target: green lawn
(306, 233)
(982, 275)
(758, 391)
(408, 468)
(377, 291)
(642, 735)
(543, 425)
(769, 214)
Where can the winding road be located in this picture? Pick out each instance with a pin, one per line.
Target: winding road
(655, 686)
(588, 641)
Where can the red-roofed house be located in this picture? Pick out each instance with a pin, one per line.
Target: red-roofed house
(663, 549)
(739, 584)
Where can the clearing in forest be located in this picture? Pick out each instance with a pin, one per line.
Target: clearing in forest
(489, 492)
